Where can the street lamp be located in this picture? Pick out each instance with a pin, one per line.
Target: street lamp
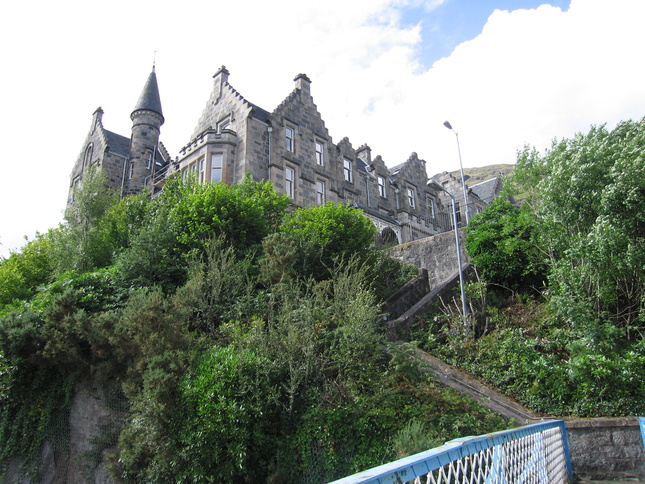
(461, 167)
(435, 184)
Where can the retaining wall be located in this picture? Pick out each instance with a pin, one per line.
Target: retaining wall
(606, 448)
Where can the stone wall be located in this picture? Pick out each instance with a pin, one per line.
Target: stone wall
(606, 448)
(77, 454)
(406, 297)
(437, 254)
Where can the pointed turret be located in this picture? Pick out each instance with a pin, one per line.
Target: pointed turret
(149, 99)
(147, 118)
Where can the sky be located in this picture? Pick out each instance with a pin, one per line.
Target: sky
(387, 73)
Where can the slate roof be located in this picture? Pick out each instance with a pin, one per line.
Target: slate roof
(259, 113)
(119, 145)
(486, 190)
(149, 99)
(395, 169)
(361, 166)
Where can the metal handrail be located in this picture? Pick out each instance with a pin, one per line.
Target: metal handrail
(533, 453)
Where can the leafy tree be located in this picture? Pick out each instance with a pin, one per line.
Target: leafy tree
(580, 352)
(230, 418)
(501, 241)
(589, 204)
(225, 378)
(24, 271)
(80, 244)
(123, 221)
(220, 287)
(187, 216)
(326, 234)
(243, 213)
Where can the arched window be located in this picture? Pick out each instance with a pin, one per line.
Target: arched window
(87, 158)
(388, 238)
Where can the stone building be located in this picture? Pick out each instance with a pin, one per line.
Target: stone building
(128, 163)
(289, 146)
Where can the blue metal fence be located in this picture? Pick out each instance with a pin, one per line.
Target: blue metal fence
(535, 453)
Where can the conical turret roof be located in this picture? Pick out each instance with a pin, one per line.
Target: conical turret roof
(149, 99)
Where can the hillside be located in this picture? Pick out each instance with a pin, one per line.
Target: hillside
(482, 173)
(219, 337)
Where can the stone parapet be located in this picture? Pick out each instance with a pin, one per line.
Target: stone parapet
(606, 448)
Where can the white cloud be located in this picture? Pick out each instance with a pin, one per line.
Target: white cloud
(531, 75)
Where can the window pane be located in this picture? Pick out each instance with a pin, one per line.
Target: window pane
(347, 169)
(411, 197)
(289, 139)
(320, 192)
(289, 185)
(216, 167)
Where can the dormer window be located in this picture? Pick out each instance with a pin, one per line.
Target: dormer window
(347, 170)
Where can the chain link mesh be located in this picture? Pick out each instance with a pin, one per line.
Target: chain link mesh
(536, 454)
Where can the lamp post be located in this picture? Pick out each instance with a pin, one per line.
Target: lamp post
(435, 184)
(461, 168)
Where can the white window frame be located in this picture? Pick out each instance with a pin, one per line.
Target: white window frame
(348, 170)
(131, 170)
(290, 138)
(411, 199)
(290, 182)
(381, 186)
(319, 147)
(431, 207)
(217, 167)
(320, 192)
(202, 170)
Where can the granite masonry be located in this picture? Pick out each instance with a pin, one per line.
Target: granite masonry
(289, 146)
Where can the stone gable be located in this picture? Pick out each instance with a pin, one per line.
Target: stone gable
(289, 146)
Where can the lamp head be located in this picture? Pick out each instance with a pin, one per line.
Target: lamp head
(435, 184)
(447, 124)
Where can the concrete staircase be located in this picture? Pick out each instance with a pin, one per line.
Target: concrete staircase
(413, 301)
(476, 390)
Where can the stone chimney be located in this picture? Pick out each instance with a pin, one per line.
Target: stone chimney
(364, 152)
(303, 83)
(221, 78)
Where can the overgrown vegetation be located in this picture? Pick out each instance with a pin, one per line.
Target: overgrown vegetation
(561, 323)
(242, 336)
